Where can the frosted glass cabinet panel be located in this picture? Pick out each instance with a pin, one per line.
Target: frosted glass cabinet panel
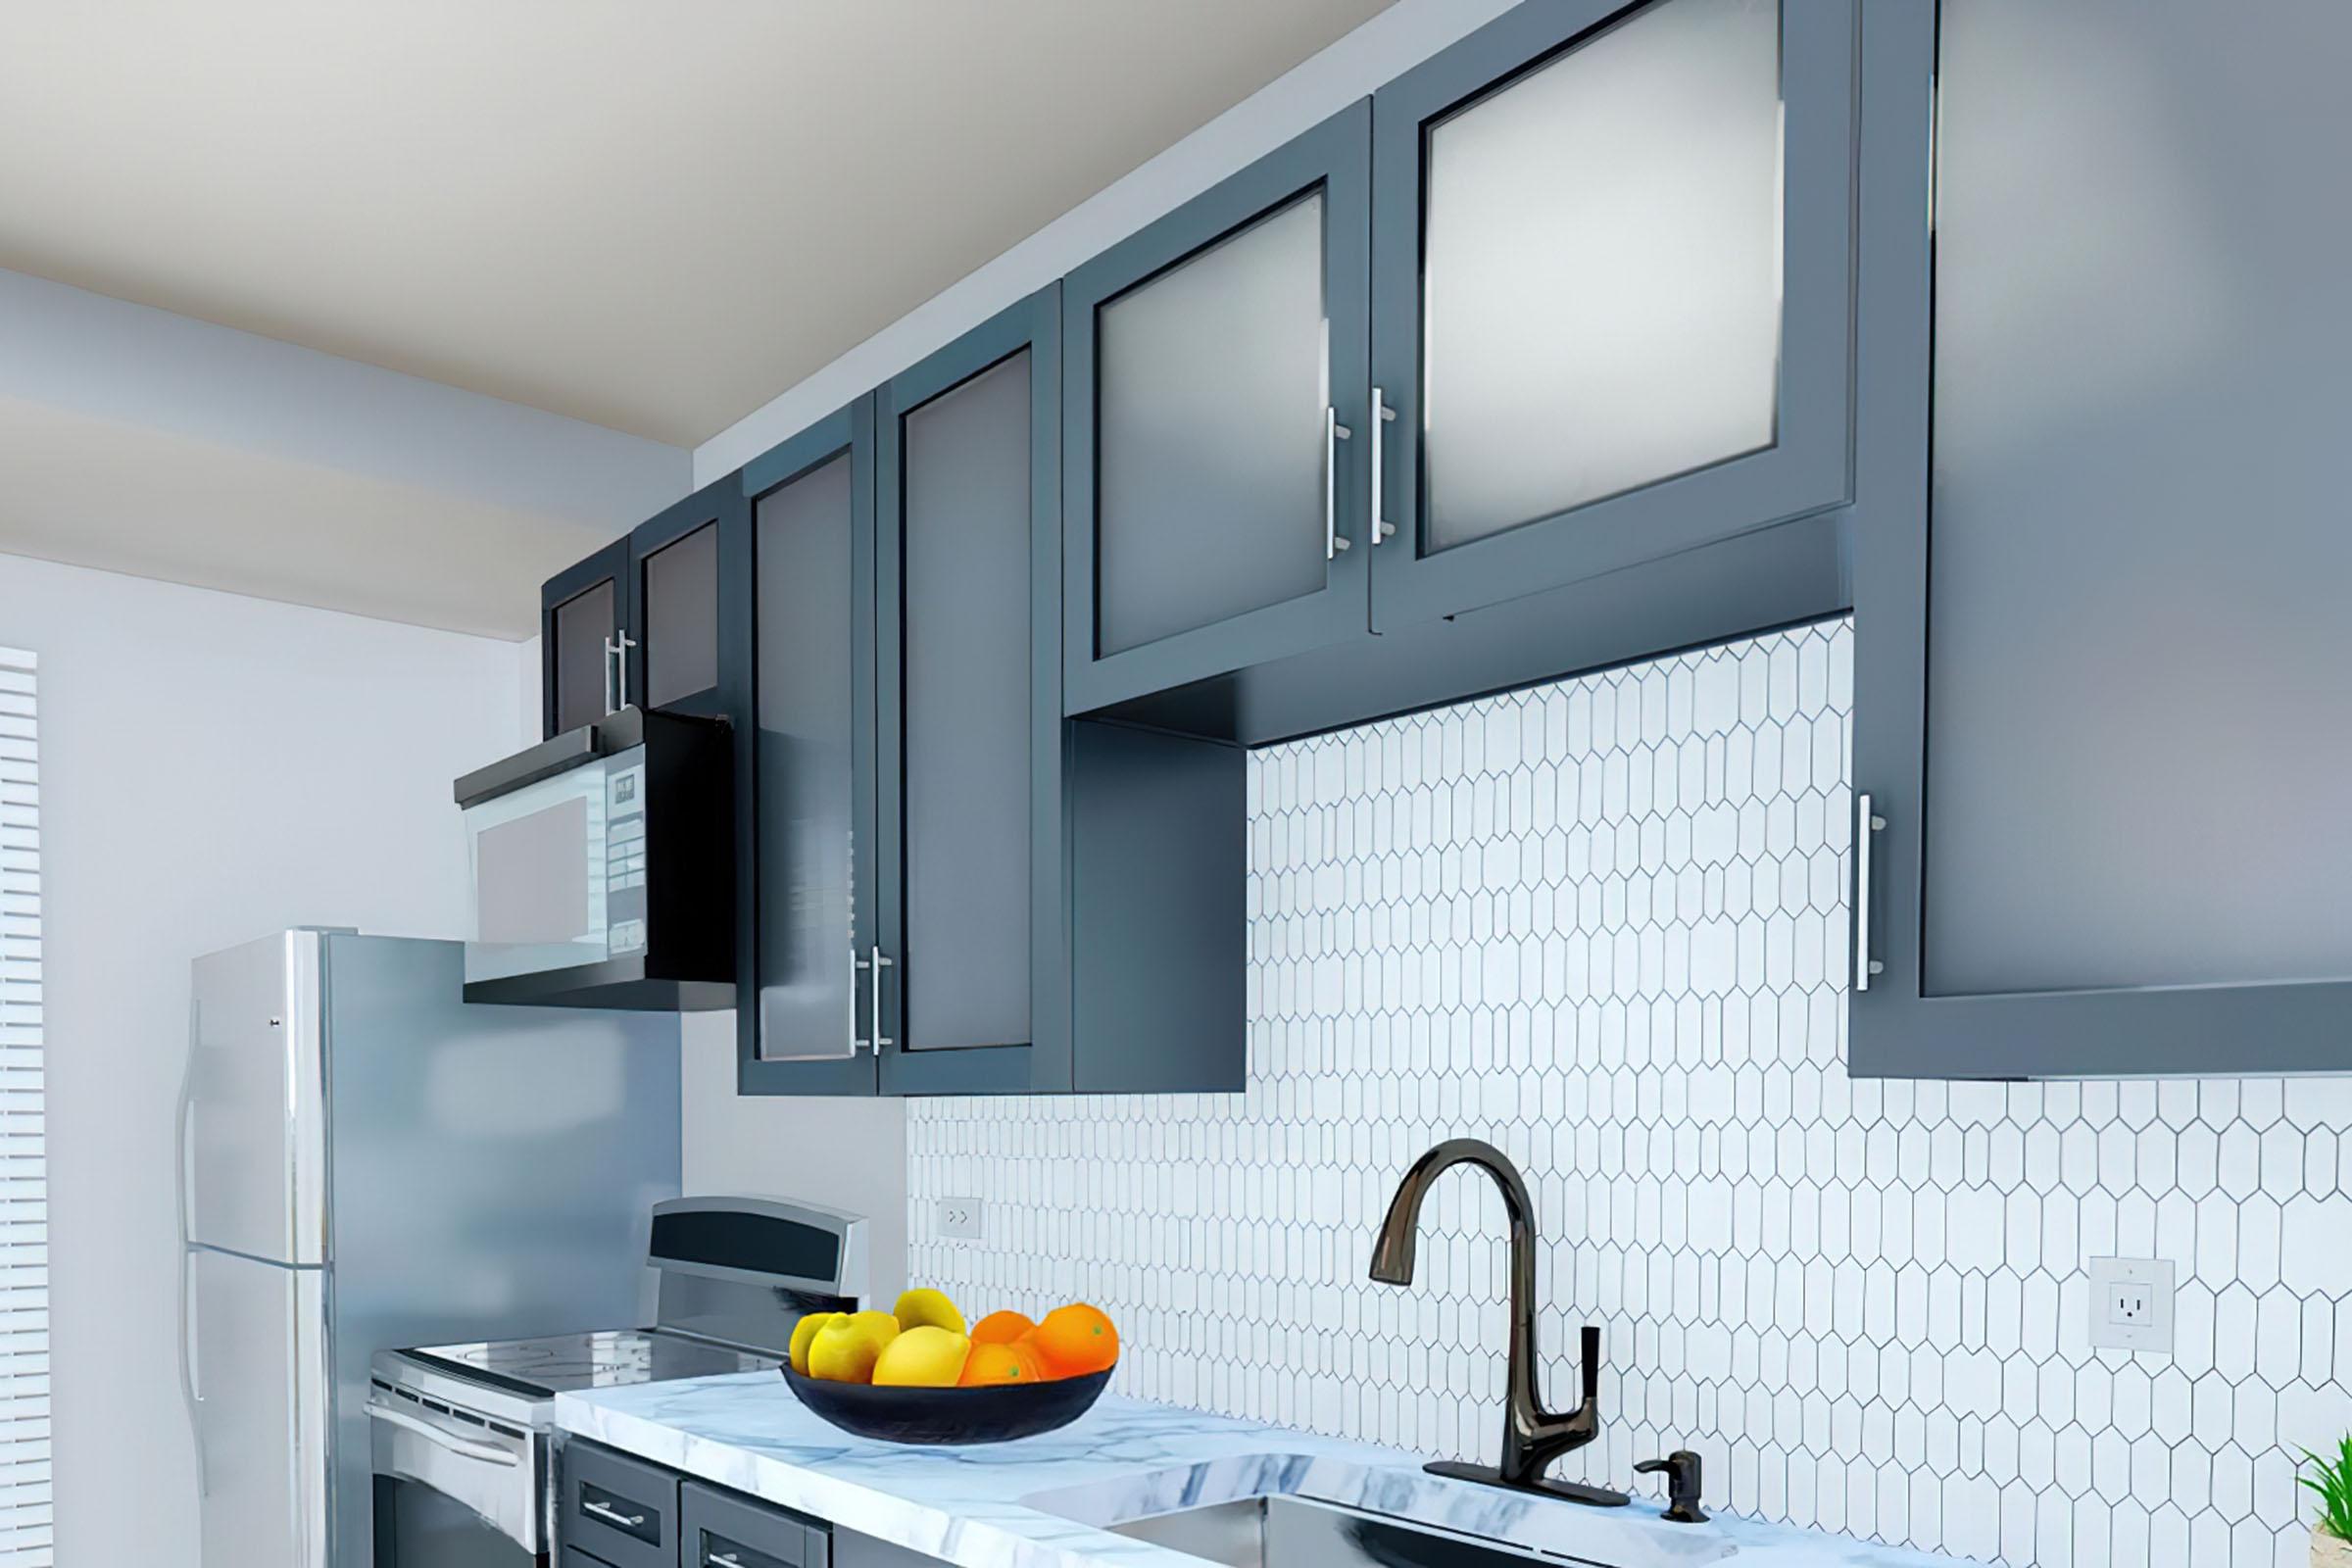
(1602, 269)
(808, 825)
(1212, 446)
(580, 636)
(1212, 381)
(1612, 293)
(2112, 751)
(969, 771)
(797, 637)
(679, 587)
(965, 534)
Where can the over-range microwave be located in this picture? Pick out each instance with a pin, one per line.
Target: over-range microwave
(604, 867)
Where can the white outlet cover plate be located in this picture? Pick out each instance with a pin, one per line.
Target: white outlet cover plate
(2113, 1281)
(959, 1218)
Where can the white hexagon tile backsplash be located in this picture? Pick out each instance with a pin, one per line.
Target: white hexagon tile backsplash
(1601, 924)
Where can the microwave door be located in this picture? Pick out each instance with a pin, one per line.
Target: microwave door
(540, 876)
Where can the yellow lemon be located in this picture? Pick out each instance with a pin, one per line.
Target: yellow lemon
(844, 1350)
(882, 1325)
(804, 1332)
(925, 1356)
(917, 1308)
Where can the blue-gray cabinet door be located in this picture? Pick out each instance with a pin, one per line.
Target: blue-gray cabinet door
(2100, 703)
(798, 591)
(1214, 367)
(1611, 293)
(583, 613)
(674, 560)
(968, 758)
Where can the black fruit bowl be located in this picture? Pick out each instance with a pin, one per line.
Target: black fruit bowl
(997, 1413)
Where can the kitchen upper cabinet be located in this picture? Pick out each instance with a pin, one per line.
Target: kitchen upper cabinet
(798, 595)
(637, 622)
(583, 612)
(2100, 698)
(673, 587)
(968, 762)
(1572, 297)
(1611, 293)
(1215, 375)
(943, 869)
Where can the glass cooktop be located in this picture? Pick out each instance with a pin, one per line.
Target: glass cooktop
(608, 1359)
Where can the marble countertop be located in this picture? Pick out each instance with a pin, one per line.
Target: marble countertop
(1043, 1503)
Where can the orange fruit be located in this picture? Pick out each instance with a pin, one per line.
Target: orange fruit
(1002, 1328)
(1075, 1340)
(993, 1365)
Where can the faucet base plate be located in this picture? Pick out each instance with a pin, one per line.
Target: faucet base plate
(1567, 1491)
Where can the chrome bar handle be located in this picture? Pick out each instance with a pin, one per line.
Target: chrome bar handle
(858, 967)
(620, 657)
(1334, 432)
(612, 657)
(1867, 823)
(881, 961)
(722, 1559)
(610, 1515)
(1382, 414)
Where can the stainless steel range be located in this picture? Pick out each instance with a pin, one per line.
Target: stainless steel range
(464, 1458)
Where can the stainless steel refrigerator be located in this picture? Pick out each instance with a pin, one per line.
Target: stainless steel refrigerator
(366, 1163)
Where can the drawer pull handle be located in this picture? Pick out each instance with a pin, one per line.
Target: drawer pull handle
(722, 1559)
(611, 1515)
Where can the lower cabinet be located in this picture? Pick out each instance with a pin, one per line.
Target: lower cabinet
(727, 1529)
(617, 1509)
(853, 1551)
(620, 1512)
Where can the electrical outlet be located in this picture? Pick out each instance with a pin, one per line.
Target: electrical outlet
(2131, 1304)
(959, 1218)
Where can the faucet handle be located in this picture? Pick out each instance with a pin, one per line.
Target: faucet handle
(1682, 1471)
(1591, 1368)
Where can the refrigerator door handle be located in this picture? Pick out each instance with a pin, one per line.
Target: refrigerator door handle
(189, 1393)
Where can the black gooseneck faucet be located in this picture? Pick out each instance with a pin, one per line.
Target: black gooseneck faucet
(1532, 1436)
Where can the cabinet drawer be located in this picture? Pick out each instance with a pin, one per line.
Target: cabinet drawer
(621, 1510)
(727, 1529)
(574, 1557)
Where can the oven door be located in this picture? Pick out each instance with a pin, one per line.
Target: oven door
(452, 1492)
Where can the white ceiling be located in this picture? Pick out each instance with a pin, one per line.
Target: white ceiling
(650, 216)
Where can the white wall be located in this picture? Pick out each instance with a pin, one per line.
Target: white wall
(212, 767)
(845, 1153)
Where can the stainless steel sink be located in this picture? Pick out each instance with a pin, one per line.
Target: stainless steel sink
(1281, 1511)
(1284, 1531)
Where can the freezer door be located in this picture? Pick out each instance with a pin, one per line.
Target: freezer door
(260, 1372)
(254, 1106)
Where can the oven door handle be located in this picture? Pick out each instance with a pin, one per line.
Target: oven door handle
(442, 1437)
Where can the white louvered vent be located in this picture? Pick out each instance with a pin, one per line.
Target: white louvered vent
(25, 1518)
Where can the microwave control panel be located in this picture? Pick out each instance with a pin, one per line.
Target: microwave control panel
(624, 857)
